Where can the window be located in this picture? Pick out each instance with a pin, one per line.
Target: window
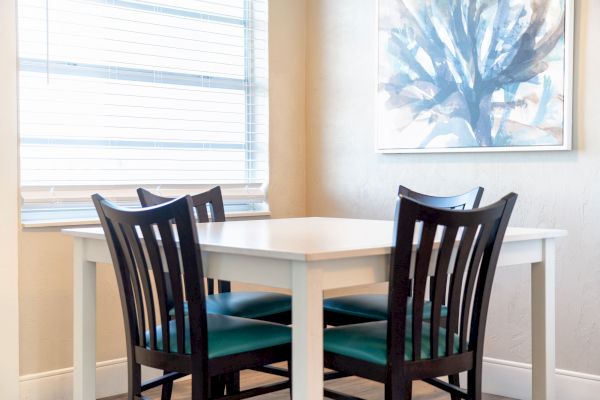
(170, 95)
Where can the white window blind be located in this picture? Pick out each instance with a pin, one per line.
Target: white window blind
(170, 95)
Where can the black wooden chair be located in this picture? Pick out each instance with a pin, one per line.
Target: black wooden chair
(406, 346)
(266, 306)
(354, 309)
(157, 273)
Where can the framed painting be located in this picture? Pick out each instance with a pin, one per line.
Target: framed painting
(474, 75)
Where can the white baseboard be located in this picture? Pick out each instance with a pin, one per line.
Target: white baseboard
(501, 377)
(111, 380)
(513, 379)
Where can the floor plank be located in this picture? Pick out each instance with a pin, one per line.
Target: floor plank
(358, 387)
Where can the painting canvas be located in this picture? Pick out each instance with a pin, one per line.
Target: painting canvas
(474, 75)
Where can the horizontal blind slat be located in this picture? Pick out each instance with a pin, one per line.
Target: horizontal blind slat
(125, 93)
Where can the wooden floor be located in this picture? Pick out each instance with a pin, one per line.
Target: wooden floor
(355, 386)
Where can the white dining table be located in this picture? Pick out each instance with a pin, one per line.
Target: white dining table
(308, 256)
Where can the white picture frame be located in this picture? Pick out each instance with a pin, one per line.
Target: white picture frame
(393, 133)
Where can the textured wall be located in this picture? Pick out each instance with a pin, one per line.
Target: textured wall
(557, 189)
(46, 297)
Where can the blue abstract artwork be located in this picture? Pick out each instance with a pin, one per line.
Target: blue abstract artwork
(474, 75)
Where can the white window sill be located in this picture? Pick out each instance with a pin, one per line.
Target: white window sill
(67, 223)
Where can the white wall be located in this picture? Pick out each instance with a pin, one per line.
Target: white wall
(561, 189)
(9, 331)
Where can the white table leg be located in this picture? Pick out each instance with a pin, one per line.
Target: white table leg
(84, 322)
(307, 332)
(543, 323)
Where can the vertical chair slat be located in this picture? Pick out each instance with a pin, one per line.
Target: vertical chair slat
(202, 213)
(400, 285)
(479, 285)
(456, 285)
(439, 280)
(194, 284)
(162, 285)
(486, 276)
(135, 283)
(172, 259)
(473, 268)
(212, 199)
(423, 259)
(215, 199)
(123, 282)
(146, 286)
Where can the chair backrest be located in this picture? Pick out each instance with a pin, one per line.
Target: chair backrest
(143, 244)
(210, 200)
(465, 201)
(202, 202)
(468, 243)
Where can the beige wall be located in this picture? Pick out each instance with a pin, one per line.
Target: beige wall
(557, 189)
(45, 287)
(46, 305)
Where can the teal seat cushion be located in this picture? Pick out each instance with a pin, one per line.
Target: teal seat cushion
(367, 342)
(229, 335)
(246, 304)
(371, 306)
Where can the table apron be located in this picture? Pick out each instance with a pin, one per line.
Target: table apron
(337, 273)
(96, 251)
(248, 269)
(278, 273)
(521, 252)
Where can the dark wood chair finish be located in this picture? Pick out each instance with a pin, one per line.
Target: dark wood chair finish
(143, 244)
(465, 201)
(478, 235)
(203, 202)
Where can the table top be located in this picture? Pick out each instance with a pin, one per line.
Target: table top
(307, 239)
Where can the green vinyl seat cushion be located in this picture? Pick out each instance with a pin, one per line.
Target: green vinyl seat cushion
(229, 335)
(246, 304)
(367, 342)
(371, 306)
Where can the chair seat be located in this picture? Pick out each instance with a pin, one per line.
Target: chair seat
(367, 342)
(371, 306)
(229, 335)
(246, 304)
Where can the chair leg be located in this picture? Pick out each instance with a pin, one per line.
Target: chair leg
(217, 386)
(454, 380)
(134, 375)
(398, 388)
(289, 363)
(474, 384)
(408, 391)
(167, 389)
(200, 386)
(232, 383)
